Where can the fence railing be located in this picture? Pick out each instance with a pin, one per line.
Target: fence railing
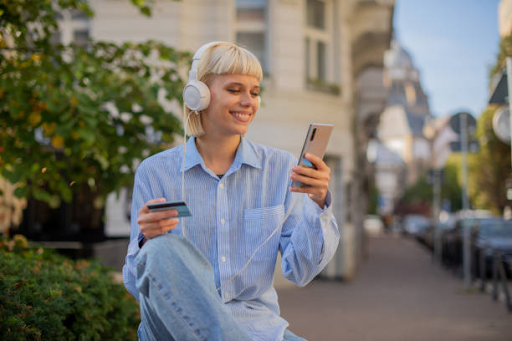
(499, 274)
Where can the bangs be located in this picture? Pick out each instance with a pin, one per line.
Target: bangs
(231, 59)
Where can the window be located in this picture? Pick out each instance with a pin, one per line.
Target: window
(316, 14)
(77, 14)
(80, 37)
(251, 28)
(254, 42)
(321, 60)
(73, 28)
(319, 46)
(55, 38)
(307, 44)
(410, 93)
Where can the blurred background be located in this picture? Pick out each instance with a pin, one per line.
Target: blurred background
(417, 92)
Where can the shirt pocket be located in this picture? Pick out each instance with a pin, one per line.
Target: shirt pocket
(259, 224)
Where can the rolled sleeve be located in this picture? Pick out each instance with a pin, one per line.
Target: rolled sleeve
(141, 194)
(308, 246)
(129, 268)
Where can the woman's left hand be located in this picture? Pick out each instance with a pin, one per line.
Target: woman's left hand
(317, 179)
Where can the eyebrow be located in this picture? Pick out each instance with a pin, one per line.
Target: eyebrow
(240, 84)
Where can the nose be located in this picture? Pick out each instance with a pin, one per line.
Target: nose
(248, 100)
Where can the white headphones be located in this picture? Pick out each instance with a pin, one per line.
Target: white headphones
(196, 94)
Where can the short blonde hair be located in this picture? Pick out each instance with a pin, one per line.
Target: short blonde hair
(219, 59)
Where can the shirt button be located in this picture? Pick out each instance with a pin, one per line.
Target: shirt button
(223, 259)
(221, 185)
(222, 221)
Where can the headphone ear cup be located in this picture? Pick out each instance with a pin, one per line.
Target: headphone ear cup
(196, 95)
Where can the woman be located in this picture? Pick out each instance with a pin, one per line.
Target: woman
(212, 278)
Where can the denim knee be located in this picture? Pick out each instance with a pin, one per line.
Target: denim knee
(164, 253)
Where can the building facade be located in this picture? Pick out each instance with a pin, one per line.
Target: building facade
(505, 17)
(323, 62)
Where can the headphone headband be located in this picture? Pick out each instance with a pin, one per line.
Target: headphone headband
(192, 75)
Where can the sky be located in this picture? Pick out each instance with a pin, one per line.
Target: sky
(454, 44)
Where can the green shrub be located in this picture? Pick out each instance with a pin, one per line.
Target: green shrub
(45, 296)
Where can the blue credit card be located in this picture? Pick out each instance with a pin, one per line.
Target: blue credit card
(180, 206)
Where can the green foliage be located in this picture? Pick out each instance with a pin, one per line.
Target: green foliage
(505, 51)
(419, 191)
(373, 199)
(451, 188)
(322, 86)
(489, 168)
(420, 195)
(45, 296)
(77, 116)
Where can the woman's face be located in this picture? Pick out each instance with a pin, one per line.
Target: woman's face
(233, 104)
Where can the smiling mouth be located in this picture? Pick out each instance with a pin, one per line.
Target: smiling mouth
(241, 116)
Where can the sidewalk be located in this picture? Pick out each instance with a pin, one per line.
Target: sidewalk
(399, 294)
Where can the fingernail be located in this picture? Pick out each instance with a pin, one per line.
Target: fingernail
(161, 200)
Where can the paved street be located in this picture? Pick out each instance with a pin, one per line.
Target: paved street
(399, 294)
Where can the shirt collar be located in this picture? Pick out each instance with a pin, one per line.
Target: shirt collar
(245, 154)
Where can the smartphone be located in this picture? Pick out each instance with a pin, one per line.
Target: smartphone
(180, 206)
(316, 143)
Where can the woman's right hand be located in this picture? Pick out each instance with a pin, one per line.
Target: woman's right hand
(153, 224)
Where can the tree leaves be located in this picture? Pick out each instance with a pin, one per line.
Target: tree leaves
(490, 167)
(53, 97)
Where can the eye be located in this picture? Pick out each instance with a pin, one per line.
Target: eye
(255, 94)
(233, 91)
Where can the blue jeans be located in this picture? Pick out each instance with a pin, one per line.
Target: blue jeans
(177, 295)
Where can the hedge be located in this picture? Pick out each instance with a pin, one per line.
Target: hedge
(45, 296)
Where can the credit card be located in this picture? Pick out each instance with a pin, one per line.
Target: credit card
(180, 206)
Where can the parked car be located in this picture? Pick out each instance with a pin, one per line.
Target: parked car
(490, 237)
(444, 227)
(373, 225)
(452, 240)
(415, 225)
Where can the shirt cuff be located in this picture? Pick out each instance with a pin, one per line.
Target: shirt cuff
(312, 211)
(327, 204)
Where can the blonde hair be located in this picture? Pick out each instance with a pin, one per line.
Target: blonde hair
(219, 59)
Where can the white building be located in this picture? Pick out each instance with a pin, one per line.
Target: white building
(322, 61)
(505, 17)
(408, 129)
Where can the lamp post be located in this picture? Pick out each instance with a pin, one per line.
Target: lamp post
(464, 124)
(431, 133)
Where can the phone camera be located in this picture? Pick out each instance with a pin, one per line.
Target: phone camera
(313, 135)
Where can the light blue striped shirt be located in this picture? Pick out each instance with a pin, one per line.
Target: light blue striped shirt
(231, 217)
